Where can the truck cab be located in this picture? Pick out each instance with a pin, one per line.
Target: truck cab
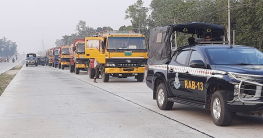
(64, 57)
(55, 56)
(79, 60)
(117, 54)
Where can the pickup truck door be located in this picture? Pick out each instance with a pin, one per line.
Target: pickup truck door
(196, 78)
(176, 74)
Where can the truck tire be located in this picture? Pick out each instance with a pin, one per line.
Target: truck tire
(162, 98)
(105, 77)
(91, 72)
(77, 70)
(62, 67)
(140, 77)
(26, 65)
(218, 108)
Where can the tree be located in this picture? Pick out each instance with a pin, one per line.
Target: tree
(126, 28)
(138, 15)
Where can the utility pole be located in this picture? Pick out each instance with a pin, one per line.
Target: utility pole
(228, 12)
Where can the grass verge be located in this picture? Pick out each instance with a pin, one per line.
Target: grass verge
(7, 77)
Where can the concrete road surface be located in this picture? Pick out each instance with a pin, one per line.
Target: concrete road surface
(4, 66)
(48, 102)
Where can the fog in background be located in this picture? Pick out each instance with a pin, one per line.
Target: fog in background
(28, 22)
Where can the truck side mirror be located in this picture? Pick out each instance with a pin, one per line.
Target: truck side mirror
(197, 64)
(74, 48)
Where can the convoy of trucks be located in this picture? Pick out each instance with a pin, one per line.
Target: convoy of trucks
(112, 53)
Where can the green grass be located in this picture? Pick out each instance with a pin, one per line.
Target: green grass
(7, 77)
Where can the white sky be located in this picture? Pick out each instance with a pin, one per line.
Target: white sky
(27, 22)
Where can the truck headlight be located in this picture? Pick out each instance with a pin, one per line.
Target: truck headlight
(110, 65)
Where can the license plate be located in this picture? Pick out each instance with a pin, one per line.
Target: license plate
(128, 53)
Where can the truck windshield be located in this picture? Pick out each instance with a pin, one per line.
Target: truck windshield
(81, 48)
(65, 51)
(30, 58)
(126, 43)
(56, 52)
(235, 56)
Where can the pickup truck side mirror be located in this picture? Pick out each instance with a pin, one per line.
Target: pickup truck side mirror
(74, 48)
(197, 64)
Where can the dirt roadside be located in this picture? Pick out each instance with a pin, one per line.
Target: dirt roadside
(7, 77)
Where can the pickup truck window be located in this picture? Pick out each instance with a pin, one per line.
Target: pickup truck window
(196, 56)
(181, 57)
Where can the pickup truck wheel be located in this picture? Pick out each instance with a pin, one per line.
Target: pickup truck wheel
(105, 77)
(140, 77)
(62, 67)
(162, 98)
(26, 65)
(219, 112)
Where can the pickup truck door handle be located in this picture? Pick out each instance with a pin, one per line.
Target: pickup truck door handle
(171, 70)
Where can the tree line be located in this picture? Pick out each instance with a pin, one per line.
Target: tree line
(7, 48)
(82, 31)
(246, 16)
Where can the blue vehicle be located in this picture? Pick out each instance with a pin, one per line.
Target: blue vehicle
(31, 59)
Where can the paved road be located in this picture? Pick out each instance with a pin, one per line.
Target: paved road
(4, 66)
(48, 102)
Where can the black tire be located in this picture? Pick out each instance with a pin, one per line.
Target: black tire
(62, 67)
(140, 77)
(77, 70)
(91, 72)
(105, 77)
(162, 98)
(26, 65)
(221, 116)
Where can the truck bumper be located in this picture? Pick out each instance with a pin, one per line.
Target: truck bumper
(125, 70)
(65, 63)
(81, 66)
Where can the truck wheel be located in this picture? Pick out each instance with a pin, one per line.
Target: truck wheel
(77, 70)
(218, 108)
(140, 77)
(62, 67)
(26, 64)
(162, 98)
(91, 72)
(105, 77)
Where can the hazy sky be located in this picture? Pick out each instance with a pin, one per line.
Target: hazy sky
(27, 22)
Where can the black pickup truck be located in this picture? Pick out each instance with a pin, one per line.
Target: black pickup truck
(222, 78)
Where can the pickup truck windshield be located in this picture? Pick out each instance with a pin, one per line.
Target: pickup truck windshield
(126, 43)
(65, 51)
(81, 48)
(235, 56)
